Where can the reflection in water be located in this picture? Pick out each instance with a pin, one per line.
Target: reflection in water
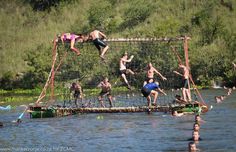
(124, 132)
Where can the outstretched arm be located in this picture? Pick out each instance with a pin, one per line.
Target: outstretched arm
(100, 85)
(102, 34)
(157, 72)
(178, 73)
(129, 60)
(162, 91)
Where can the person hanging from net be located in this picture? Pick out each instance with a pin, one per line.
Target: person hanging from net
(97, 38)
(76, 91)
(151, 89)
(185, 82)
(150, 74)
(123, 70)
(106, 91)
(72, 39)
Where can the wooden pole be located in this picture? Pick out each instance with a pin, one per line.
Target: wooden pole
(54, 52)
(187, 60)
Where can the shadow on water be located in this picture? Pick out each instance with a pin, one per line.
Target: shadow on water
(124, 132)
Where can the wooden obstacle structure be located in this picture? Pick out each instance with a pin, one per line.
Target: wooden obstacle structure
(44, 112)
(49, 110)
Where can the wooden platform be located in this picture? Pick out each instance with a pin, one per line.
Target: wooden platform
(45, 112)
(117, 109)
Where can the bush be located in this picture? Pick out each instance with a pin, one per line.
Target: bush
(137, 13)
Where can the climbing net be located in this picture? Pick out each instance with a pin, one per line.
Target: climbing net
(89, 70)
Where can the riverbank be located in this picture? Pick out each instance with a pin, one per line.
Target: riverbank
(31, 95)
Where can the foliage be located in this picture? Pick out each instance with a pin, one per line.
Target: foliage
(28, 27)
(137, 12)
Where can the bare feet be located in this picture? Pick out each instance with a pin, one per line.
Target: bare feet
(129, 87)
(102, 57)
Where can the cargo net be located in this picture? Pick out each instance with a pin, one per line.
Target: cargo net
(89, 70)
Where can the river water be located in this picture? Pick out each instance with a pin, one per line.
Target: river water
(128, 132)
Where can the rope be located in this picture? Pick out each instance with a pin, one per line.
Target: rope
(43, 93)
(150, 48)
(190, 76)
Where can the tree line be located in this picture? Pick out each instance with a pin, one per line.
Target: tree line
(28, 28)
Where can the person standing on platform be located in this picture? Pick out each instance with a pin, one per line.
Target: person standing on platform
(106, 90)
(151, 89)
(185, 83)
(76, 89)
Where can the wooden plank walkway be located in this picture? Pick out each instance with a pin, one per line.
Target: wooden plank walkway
(117, 109)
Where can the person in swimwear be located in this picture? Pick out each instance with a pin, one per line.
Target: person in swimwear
(185, 83)
(177, 114)
(151, 89)
(178, 99)
(192, 147)
(106, 90)
(97, 37)
(72, 39)
(198, 119)
(195, 136)
(150, 74)
(123, 70)
(76, 89)
(196, 126)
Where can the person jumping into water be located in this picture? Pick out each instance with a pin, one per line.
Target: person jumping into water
(97, 37)
(123, 70)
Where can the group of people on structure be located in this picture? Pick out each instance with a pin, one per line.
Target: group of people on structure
(150, 86)
(95, 36)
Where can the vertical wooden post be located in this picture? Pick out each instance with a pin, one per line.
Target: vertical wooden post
(54, 52)
(186, 51)
(187, 60)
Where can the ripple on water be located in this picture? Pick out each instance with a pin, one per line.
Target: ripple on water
(125, 132)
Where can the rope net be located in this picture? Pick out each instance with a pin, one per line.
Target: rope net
(88, 70)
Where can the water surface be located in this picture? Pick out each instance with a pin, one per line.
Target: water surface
(123, 132)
